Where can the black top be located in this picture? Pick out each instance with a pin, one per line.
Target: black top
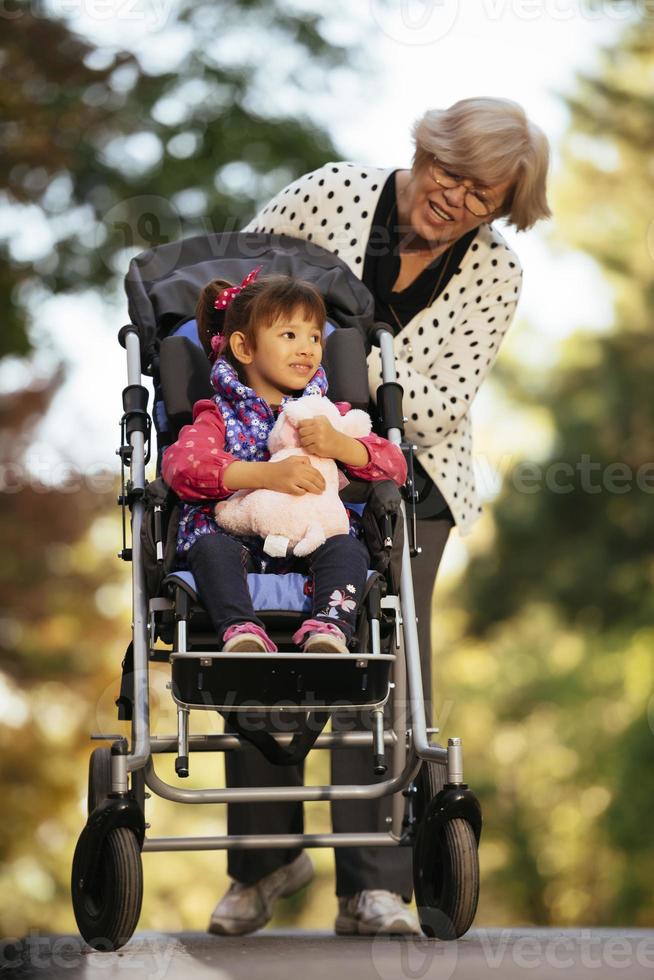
(380, 270)
(382, 264)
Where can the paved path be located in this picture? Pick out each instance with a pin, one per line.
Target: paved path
(275, 954)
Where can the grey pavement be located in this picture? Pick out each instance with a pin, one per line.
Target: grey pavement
(287, 954)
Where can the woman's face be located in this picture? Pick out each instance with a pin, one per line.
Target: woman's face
(438, 215)
(286, 357)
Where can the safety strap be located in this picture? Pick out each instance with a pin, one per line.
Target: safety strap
(300, 745)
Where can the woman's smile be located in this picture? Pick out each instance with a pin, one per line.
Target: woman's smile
(438, 214)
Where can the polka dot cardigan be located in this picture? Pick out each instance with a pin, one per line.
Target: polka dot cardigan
(444, 353)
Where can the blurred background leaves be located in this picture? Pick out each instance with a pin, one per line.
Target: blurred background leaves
(558, 607)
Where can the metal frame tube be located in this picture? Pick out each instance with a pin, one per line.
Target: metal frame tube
(274, 794)
(182, 731)
(234, 743)
(454, 761)
(141, 709)
(256, 841)
(399, 722)
(421, 743)
(377, 715)
(118, 774)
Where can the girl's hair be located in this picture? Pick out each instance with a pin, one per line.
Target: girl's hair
(257, 305)
(489, 140)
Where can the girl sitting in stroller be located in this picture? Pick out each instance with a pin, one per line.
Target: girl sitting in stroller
(264, 340)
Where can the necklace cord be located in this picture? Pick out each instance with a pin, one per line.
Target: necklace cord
(444, 266)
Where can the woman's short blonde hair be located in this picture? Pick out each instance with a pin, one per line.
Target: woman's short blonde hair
(490, 141)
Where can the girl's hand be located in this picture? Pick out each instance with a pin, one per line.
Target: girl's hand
(319, 437)
(295, 475)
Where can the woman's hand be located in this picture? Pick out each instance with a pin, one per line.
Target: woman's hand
(319, 437)
(295, 475)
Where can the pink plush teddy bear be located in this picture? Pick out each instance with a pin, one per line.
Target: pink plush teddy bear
(304, 522)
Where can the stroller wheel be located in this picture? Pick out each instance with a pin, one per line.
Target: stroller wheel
(429, 781)
(99, 777)
(446, 877)
(107, 913)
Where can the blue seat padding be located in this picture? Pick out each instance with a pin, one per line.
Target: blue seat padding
(279, 593)
(189, 330)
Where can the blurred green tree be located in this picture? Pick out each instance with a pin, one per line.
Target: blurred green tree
(560, 606)
(105, 156)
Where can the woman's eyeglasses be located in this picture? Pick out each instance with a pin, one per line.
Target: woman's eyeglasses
(474, 200)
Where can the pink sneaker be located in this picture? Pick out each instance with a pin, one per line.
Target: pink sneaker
(316, 636)
(247, 638)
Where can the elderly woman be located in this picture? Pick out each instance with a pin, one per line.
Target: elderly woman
(423, 241)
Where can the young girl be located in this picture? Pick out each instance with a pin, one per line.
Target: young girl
(264, 339)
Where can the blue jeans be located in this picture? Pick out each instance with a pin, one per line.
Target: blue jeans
(337, 573)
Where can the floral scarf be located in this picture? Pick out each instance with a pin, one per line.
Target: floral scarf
(248, 422)
(248, 417)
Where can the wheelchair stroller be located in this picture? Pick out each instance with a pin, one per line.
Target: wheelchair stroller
(433, 811)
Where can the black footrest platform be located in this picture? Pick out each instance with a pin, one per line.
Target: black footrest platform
(294, 681)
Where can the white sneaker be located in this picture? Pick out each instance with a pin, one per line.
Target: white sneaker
(246, 908)
(375, 912)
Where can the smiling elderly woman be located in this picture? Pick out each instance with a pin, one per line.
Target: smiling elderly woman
(444, 278)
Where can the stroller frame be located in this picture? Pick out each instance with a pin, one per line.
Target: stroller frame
(118, 809)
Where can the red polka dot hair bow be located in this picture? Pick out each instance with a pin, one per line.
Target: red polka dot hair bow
(224, 298)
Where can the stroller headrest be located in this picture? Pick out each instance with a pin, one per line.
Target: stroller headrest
(184, 373)
(163, 283)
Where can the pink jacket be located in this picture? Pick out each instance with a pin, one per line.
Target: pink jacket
(196, 473)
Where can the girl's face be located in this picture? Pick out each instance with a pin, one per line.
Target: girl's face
(286, 357)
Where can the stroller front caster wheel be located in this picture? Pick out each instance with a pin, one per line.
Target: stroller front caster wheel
(107, 911)
(99, 778)
(446, 877)
(428, 783)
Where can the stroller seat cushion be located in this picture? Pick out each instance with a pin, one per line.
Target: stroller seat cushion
(270, 593)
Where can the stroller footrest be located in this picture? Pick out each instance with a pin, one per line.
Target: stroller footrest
(296, 681)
